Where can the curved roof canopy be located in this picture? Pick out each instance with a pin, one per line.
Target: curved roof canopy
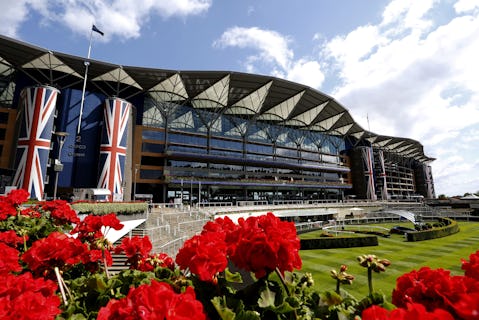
(258, 97)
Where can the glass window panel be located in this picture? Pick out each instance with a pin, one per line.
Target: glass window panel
(286, 153)
(187, 164)
(256, 148)
(153, 147)
(226, 153)
(225, 144)
(151, 174)
(153, 135)
(187, 139)
(186, 149)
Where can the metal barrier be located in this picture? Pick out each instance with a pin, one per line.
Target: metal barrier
(215, 204)
(172, 247)
(250, 203)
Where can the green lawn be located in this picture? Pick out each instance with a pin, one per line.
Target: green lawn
(405, 256)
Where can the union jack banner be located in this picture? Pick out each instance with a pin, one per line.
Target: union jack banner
(429, 184)
(369, 173)
(113, 146)
(384, 194)
(37, 106)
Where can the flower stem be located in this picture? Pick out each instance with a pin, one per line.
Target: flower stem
(60, 285)
(285, 288)
(282, 281)
(338, 283)
(370, 280)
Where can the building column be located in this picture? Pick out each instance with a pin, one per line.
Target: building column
(384, 191)
(367, 155)
(113, 147)
(33, 147)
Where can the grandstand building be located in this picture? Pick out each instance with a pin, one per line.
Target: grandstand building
(191, 135)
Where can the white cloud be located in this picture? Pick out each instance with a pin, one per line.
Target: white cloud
(272, 49)
(272, 46)
(413, 76)
(12, 15)
(407, 14)
(307, 72)
(123, 19)
(416, 79)
(463, 6)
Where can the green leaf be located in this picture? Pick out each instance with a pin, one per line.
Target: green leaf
(233, 277)
(266, 298)
(248, 315)
(388, 306)
(224, 312)
(331, 298)
(285, 307)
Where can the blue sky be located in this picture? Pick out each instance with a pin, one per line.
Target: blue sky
(409, 66)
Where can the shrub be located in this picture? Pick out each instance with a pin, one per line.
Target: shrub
(450, 227)
(101, 208)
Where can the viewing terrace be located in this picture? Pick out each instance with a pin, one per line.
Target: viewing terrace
(169, 225)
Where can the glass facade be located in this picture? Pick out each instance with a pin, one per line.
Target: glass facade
(217, 134)
(220, 153)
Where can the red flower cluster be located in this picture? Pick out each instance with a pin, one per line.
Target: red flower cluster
(90, 229)
(266, 243)
(204, 255)
(471, 267)
(414, 311)
(137, 250)
(11, 238)
(154, 301)
(257, 244)
(23, 297)
(9, 261)
(135, 247)
(61, 211)
(10, 203)
(437, 289)
(56, 250)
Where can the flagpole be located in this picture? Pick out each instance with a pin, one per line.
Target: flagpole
(87, 63)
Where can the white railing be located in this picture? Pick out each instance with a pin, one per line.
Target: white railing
(172, 247)
(251, 203)
(342, 227)
(215, 204)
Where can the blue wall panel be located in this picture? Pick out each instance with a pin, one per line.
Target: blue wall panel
(80, 153)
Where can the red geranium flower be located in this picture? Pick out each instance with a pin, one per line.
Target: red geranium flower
(90, 229)
(11, 238)
(23, 297)
(9, 261)
(467, 307)
(153, 261)
(471, 267)
(414, 311)
(56, 250)
(61, 211)
(6, 208)
(432, 288)
(136, 250)
(204, 255)
(17, 197)
(266, 243)
(30, 212)
(154, 301)
(227, 230)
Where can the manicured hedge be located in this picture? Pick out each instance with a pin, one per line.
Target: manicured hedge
(450, 227)
(338, 242)
(101, 208)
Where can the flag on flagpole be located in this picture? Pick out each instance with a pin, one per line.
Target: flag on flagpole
(94, 28)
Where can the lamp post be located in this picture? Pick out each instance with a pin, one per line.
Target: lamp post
(58, 167)
(137, 167)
